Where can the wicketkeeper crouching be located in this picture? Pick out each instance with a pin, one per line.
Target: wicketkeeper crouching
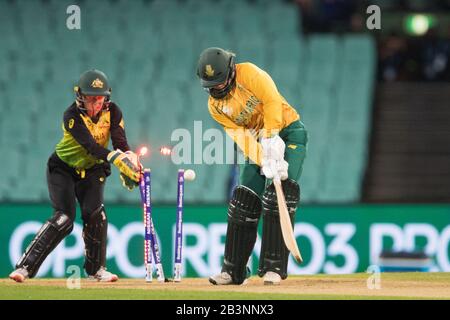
(77, 170)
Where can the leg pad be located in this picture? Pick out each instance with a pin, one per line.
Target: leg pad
(274, 254)
(95, 231)
(243, 215)
(47, 238)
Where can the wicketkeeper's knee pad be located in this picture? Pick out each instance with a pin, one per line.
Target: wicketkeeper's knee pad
(95, 232)
(274, 253)
(48, 237)
(243, 215)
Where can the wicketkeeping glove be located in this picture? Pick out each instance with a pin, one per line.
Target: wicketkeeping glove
(134, 159)
(127, 182)
(125, 165)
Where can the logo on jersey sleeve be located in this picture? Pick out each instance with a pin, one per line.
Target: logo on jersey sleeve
(71, 123)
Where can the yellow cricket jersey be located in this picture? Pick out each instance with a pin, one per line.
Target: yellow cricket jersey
(253, 108)
(85, 140)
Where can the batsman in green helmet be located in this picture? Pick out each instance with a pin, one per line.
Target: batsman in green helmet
(245, 101)
(77, 171)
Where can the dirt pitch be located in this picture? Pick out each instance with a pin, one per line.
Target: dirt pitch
(392, 286)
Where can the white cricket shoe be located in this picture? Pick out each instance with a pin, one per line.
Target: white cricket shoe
(223, 278)
(19, 275)
(272, 278)
(104, 276)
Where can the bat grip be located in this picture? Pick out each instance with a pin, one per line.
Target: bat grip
(277, 179)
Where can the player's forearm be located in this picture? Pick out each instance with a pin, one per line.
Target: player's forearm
(118, 136)
(119, 139)
(84, 138)
(93, 148)
(267, 92)
(273, 118)
(247, 143)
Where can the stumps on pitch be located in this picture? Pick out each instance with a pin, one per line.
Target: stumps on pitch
(151, 246)
(179, 227)
(145, 190)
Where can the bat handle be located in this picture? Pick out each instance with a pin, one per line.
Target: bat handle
(277, 179)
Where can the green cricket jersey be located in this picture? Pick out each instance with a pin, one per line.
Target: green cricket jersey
(85, 140)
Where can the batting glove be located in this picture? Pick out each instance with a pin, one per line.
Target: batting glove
(273, 164)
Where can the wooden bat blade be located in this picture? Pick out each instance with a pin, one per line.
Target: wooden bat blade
(285, 222)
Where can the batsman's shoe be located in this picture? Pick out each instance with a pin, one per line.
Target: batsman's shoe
(222, 278)
(19, 275)
(272, 278)
(104, 276)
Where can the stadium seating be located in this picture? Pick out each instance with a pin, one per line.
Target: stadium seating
(149, 51)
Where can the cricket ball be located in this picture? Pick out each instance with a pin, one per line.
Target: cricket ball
(189, 175)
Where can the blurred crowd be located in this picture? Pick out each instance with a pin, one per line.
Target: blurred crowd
(423, 58)
(401, 57)
(329, 15)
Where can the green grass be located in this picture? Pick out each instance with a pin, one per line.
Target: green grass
(11, 292)
(405, 276)
(55, 293)
(41, 289)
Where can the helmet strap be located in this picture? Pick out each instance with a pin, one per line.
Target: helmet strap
(222, 93)
(80, 102)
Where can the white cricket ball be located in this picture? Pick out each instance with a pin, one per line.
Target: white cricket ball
(189, 175)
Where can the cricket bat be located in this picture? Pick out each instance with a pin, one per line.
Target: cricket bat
(285, 222)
